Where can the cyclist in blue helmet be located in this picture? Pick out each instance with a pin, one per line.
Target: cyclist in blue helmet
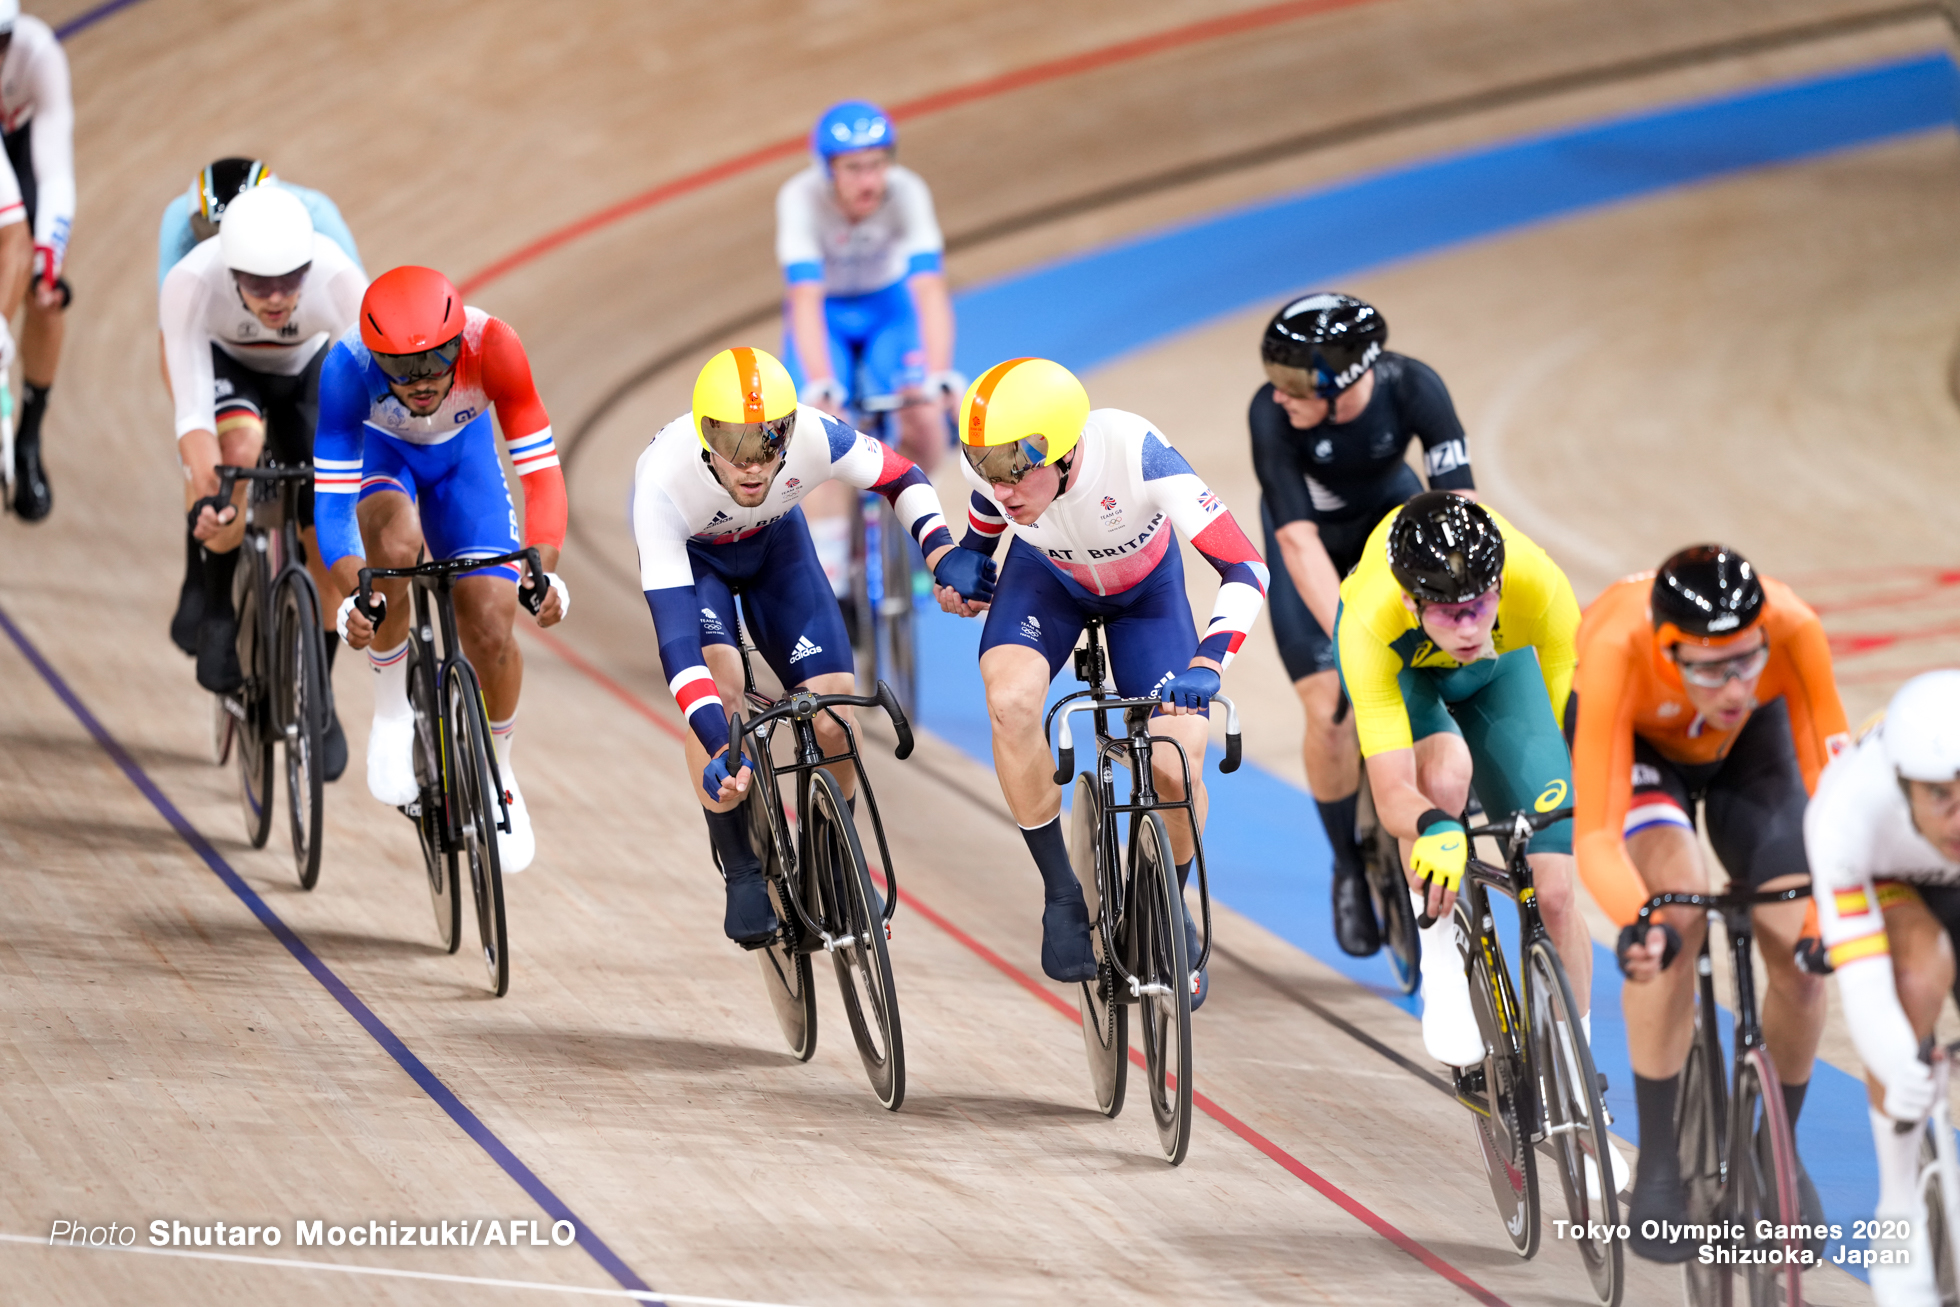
(866, 311)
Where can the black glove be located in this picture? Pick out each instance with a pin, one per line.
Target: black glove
(1637, 934)
(1813, 958)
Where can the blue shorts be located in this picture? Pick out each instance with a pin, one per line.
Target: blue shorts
(1151, 634)
(786, 600)
(458, 488)
(874, 342)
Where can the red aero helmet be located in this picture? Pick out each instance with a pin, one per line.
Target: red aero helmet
(408, 310)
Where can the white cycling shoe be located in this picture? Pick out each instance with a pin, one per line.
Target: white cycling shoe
(1910, 1283)
(391, 761)
(515, 850)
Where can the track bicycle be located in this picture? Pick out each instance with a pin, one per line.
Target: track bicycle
(461, 802)
(1939, 1176)
(818, 875)
(1388, 890)
(6, 443)
(1537, 1086)
(1738, 1157)
(1134, 899)
(887, 576)
(287, 696)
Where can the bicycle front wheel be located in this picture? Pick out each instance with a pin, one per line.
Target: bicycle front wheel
(785, 963)
(1158, 961)
(431, 815)
(1763, 1180)
(1941, 1231)
(1700, 1132)
(1575, 1118)
(479, 811)
(1500, 1091)
(1105, 1018)
(855, 918)
(302, 716)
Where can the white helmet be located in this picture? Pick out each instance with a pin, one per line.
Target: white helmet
(265, 231)
(1921, 730)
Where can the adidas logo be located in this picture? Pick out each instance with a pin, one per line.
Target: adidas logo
(804, 649)
(718, 518)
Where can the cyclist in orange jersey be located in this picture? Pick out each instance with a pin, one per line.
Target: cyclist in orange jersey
(1701, 682)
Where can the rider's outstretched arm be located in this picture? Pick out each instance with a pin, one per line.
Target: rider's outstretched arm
(527, 431)
(1602, 784)
(337, 452)
(858, 460)
(667, 578)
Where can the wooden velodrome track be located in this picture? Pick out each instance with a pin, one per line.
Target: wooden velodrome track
(166, 1056)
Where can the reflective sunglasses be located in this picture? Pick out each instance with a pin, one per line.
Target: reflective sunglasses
(1715, 675)
(1467, 613)
(265, 288)
(407, 368)
(749, 444)
(1005, 465)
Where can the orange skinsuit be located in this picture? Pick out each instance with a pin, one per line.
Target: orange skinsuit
(1626, 685)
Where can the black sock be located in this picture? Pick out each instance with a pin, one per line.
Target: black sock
(33, 404)
(1184, 872)
(333, 644)
(1655, 1101)
(1337, 818)
(1793, 1101)
(193, 560)
(730, 833)
(1050, 852)
(218, 570)
(852, 804)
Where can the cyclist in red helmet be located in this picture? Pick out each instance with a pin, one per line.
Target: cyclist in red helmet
(405, 457)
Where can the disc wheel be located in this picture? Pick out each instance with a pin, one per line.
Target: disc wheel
(1575, 1119)
(1763, 1179)
(1502, 1108)
(476, 796)
(852, 912)
(438, 862)
(302, 715)
(1105, 1019)
(1157, 959)
(785, 964)
(1700, 1132)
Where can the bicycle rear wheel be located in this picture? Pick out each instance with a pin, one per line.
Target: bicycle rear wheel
(851, 911)
(1502, 1107)
(1763, 1179)
(224, 726)
(1388, 888)
(786, 970)
(302, 715)
(478, 809)
(431, 808)
(860, 607)
(1940, 1215)
(1105, 1019)
(1575, 1118)
(1157, 959)
(1700, 1132)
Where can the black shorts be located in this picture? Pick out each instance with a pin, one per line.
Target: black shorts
(1303, 646)
(288, 406)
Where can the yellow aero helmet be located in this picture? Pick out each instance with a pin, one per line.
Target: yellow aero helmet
(1020, 415)
(744, 406)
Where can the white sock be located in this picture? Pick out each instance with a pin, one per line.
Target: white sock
(390, 682)
(500, 734)
(1898, 1165)
(1439, 942)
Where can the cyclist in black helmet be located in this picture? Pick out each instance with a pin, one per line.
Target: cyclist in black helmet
(1329, 430)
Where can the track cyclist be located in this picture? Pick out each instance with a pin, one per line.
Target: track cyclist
(1328, 432)
(716, 512)
(37, 127)
(247, 317)
(189, 220)
(1702, 681)
(406, 460)
(866, 303)
(1097, 499)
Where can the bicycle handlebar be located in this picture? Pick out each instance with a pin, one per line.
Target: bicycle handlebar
(804, 704)
(1721, 902)
(374, 607)
(1066, 767)
(229, 475)
(1522, 822)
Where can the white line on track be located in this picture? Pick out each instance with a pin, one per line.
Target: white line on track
(289, 1264)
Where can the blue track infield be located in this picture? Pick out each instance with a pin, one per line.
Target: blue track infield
(1269, 859)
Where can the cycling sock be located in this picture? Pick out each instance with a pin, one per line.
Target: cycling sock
(34, 402)
(1183, 871)
(390, 682)
(333, 646)
(1793, 1101)
(1050, 852)
(500, 737)
(730, 833)
(193, 561)
(1337, 818)
(1654, 1101)
(851, 802)
(1898, 1164)
(218, 571)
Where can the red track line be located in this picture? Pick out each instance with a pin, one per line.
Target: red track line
(1852, 643)
(986, 88)
(1300, 1170)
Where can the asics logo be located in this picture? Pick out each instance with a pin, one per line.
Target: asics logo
(804, 649)
(1553, 795)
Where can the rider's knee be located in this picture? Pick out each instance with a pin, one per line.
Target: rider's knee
(1015, 707)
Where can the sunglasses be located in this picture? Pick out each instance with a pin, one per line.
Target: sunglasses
(407, 368)
(1005, 465)
(1715, 675)
(1468, 613)
(265, 288)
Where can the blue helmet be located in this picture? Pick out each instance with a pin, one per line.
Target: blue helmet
(852, 125)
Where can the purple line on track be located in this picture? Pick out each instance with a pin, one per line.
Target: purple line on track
(417, 1070)
(89, 18)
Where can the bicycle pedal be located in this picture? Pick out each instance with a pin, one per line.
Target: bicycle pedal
(1470, 1080)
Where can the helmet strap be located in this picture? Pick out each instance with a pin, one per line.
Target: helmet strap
(1063, 466)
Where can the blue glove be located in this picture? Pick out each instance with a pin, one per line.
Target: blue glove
(716, 772)
(1191, 688)
(969, 572)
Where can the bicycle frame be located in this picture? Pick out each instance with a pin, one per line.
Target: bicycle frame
(1740, 932)
(272, 529)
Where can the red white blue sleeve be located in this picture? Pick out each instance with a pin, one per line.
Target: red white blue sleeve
(858, 460)
(1202, 518)
(337, 449)
(667, 578)
(527, 431)
(985, 524)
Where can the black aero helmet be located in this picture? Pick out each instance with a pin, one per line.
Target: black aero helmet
(1445, 549)
(1320, 344)
(1705, 593)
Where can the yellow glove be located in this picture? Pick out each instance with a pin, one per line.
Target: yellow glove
(1440, 850)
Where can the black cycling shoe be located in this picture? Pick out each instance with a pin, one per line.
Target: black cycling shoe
(33, 500)
(751, 916)
(217, 655)
(1191, 956)
(1355, 927)
(1663, 1199)
(1065, 952)
(333, 749)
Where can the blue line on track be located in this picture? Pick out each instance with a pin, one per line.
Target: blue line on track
(417, 1070)
(89, 18)
(1269, 857)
